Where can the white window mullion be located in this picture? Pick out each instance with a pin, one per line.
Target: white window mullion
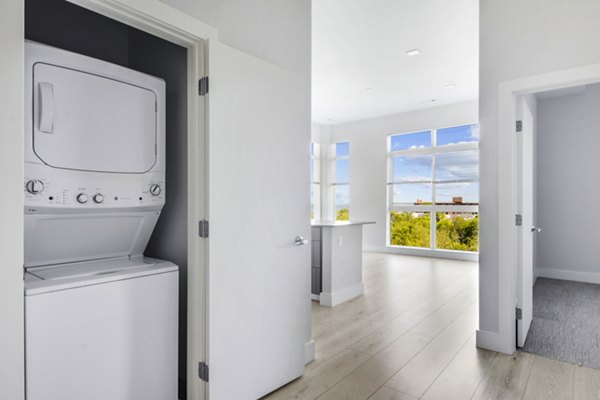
(315, 184)
(436, 149)
(412, 209)
(433, 215)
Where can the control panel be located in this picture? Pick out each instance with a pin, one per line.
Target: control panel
(45, 188)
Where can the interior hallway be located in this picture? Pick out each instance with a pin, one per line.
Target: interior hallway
(412, 335)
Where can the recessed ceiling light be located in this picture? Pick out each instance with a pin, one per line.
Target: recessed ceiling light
(413, 52)
(369, 88)
(429, 101)
(450, 86)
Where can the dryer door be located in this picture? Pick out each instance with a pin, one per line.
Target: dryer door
(87, 122)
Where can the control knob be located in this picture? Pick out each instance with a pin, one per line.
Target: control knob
(155, 189)
(82, 198)
(34, 186)
(98, 198)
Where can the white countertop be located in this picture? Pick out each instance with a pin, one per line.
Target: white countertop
(339, 223)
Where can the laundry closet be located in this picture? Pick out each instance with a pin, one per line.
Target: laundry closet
(105, 213)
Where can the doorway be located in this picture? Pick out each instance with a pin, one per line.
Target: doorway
(511, 293)
(559, 272)
(79, 29)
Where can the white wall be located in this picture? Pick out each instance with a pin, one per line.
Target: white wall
(277, 31)
(568, 188)
(11, 203)
(520, 38)
(319, 133)
(368, 160)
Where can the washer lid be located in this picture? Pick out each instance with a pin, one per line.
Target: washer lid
(68, 276)
(52, 239)
(83, 121)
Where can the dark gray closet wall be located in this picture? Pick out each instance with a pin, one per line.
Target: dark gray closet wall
(169, 240)
(67, 26)
(61, 24)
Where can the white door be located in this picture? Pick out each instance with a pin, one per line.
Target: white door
(525, 154)
(259, 279)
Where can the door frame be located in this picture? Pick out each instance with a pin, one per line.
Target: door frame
(508, 94)
(162, 21)
(528, 132)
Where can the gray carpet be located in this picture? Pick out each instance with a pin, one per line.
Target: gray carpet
(566, 322)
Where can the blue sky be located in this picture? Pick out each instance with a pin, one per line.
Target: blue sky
(342, 175)
(409, 170)
(342, 196)
(342, 170)
(458, 134)
(454, 135)
(415, 140)
(450, 168)
(342, 149)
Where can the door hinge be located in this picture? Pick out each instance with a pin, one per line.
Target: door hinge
(203, 228)
(518, 220)
(519, 313)
(203, 86)
(203, 371)
(519, 126)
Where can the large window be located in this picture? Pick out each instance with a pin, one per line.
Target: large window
(315, 181)
(341, 180)
(433, 189)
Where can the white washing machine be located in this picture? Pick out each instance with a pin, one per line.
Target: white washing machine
(100, 319)
(102, 330)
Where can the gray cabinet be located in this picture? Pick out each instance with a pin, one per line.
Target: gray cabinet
(316, 270)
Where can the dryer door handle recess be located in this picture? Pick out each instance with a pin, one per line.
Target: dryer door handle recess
(46, 107)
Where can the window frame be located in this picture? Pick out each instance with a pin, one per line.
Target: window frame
(434, 208)
(315, 182)
(335, 184)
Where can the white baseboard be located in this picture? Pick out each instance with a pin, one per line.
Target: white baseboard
(309, 352)
(333, 299)
(567, 275)
(490, 341)
(413, 251)
(315, 297)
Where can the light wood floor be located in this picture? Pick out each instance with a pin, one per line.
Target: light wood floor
(412, 336)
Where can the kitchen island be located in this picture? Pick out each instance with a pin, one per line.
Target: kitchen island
(336, 261)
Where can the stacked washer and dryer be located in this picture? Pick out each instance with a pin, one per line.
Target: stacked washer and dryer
(100, 318)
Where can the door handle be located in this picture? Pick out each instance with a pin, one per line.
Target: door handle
(300, 241)
(46, 107)
(536, 229)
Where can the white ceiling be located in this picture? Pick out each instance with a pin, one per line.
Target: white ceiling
(359, 66)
